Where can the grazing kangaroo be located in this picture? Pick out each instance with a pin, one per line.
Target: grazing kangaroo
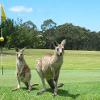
(49, 67)
(22, 70)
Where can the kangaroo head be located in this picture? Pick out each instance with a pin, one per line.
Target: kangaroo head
(20, 54)
(59, 49)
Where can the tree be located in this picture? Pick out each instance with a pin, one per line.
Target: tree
(7, 29)
(30, 25)
(26, 34)
(48, 29)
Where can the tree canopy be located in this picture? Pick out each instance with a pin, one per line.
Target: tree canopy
(19, 34)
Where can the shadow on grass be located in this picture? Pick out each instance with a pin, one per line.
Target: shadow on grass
(62, 92)
(65, 93)
(25, 88)
(33, 88)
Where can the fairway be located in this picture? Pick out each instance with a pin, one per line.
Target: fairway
(84, 60)
(78, 84)
(80, 74)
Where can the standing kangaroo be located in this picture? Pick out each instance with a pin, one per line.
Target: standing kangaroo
(22, 70)
(49, 67)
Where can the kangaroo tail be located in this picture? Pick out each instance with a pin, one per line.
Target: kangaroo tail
(35, 84)
(60, 85)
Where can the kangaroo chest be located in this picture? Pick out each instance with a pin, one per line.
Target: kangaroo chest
(20, 66)
(22, 70)
(56, 64)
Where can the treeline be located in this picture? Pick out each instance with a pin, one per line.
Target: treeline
(19, 34)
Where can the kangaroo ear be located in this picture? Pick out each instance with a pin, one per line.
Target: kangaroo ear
(63, 42)
(23, 49)
(55, 43)
(16, 49)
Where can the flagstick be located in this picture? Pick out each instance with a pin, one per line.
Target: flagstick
(1, 56)
(1, 62)
(3, 18)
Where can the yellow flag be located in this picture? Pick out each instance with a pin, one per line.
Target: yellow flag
(3, 15)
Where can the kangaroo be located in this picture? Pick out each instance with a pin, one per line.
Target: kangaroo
(22, 70)
(49, 67)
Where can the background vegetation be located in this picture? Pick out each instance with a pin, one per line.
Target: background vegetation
(26, 34)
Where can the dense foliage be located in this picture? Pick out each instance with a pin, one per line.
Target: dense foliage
(19, 34)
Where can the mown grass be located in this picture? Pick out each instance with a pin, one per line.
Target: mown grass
(72, 59)
(80, 74)
(78, 85)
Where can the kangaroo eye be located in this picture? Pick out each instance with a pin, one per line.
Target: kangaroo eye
(57, 49)
(62, 49)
